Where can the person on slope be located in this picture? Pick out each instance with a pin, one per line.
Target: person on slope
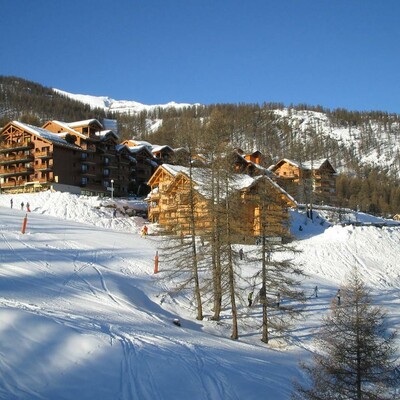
(250, 298)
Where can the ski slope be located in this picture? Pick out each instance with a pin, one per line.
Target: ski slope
(83, 316)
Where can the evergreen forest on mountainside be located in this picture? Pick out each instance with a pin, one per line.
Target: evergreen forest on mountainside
(371, 186)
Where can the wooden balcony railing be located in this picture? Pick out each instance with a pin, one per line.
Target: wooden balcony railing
(7, 147)
(16, 171)
(15, 158)
(44, 154)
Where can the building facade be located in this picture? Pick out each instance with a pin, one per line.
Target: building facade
(308, 182)
(79, 157)
(179, 197)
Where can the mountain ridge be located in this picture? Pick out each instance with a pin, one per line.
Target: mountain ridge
(119, 106)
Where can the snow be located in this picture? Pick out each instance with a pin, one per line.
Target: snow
(119, 106)
(84, 317)
(382, 152)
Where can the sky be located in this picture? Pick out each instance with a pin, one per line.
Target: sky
(337, 54)
(83, 316)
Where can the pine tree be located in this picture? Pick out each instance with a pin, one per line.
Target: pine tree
(357, 353)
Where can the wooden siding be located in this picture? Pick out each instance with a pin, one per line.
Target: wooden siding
(169, 206)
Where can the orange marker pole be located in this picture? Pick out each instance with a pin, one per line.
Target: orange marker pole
(24, 223)
(156, 263)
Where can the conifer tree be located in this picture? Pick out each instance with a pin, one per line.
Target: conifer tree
(356, 357)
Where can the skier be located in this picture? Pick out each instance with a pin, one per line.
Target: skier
(278, 299)
(28, 207)
(144, 231)
(114, 213)
(22, 205)
(316, 292)
(250, 298)
(338, 297)
(241, 254)
(11, 203)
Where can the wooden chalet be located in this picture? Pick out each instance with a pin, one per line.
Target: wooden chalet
(247, 163)
(169, 202)
(145, 166)
(33, 157)
(255, 157)
(99, 160)
(163, 154)
(78, 157)
(308, 182)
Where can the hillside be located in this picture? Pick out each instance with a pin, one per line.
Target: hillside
(83, 316)
(33, 103)
(371, 138)
(364, 147)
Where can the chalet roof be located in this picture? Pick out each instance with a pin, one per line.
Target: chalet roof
(306, 165)
(105, 133)
(174, 169)
(201, 177)
(138, 149)
(315, 164)
(157, 148)
(85, 122)
(54, 138)
(120, 146)
(136, 143)
(67, 128)
(184, 149)
(255, 165)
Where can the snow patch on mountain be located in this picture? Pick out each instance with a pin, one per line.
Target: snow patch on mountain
(119, 106)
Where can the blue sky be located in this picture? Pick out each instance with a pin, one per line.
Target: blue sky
(341, 53)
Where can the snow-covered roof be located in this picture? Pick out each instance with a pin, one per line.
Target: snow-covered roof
(314, 164)
(175, 169)
(157, 148)
(141, 143)
(105, 133)
(84, 123)
(305, 165)
(137, 149)
(68, 128)
(201, 177)
(45, 134)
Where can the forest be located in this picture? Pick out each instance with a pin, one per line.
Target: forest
(276, 130)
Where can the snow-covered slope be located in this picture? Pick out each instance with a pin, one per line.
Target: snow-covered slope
(118, 106)
(371, 143)
(83, 316)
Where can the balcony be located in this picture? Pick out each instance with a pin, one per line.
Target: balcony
(44, 154)
(89, 148)
(20, 158)
(16, 171)
(154, 210)
(7, 147)
(87, 173)
(44, 168)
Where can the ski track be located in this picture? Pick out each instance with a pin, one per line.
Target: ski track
(89, 277)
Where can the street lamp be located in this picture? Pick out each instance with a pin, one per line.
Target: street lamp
(112, 189)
